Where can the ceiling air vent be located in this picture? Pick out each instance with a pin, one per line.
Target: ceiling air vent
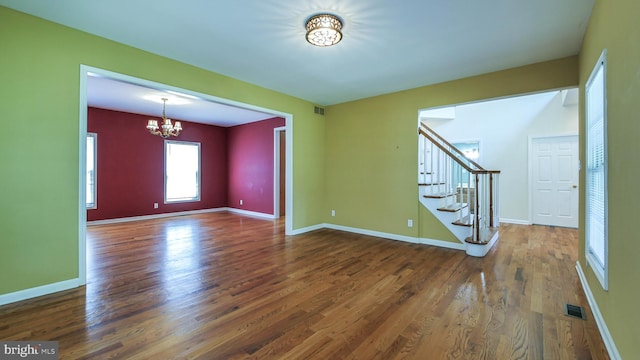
(318, 110)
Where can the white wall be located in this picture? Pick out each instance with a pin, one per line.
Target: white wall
(503, 128)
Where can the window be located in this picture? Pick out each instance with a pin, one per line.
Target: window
(92, 146)
(470, 149)
(596, 171)
(182, 171)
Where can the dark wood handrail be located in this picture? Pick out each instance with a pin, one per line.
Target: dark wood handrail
(428, 129)
(480, 170)
(458, 156)
(452, 155)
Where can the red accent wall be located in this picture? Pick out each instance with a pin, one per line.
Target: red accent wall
(251, 165)
(131, 166)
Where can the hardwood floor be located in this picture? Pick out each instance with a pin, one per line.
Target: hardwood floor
(224, 286)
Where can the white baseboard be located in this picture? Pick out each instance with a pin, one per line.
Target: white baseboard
(515, 221)
(154, 216)
(39, 291)
(371, 233)
(307, 229)
(602, 326)
(251, 213)
(409, 239)
(440, 243)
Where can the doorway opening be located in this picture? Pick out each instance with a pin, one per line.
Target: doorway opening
(505, 127)
(87, 71)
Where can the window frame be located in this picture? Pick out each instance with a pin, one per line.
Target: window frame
(599, 266)
(94, 204)
(198, 172)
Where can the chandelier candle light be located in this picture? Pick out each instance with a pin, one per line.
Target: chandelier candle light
(324, 30)
(167, 129)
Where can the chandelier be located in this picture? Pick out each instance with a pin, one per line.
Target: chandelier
(167, 128)
(324, 30)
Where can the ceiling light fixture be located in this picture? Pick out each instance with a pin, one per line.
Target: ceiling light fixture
(324, 30)
(167, 129)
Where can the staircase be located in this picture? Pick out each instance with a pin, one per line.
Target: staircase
(459, 192)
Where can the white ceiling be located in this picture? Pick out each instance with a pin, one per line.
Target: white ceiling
(569, 98)
(388, 46)
(107, 93)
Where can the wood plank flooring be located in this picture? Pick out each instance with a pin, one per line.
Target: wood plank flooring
(224, 286)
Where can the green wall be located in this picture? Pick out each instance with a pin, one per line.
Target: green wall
(360, 159)
(39, 93)
(372, 145)
(614, 26)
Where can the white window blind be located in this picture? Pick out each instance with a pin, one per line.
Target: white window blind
(596, 172)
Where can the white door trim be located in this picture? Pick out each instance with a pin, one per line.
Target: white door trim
(277, 133)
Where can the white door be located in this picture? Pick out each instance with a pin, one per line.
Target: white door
(555, 181)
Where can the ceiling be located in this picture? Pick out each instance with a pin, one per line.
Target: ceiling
(569, 98)
(108, 93)
(387, 46)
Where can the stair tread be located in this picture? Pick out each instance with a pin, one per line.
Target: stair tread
(465, 221)
(438, 195)
(492, 232)
(453, 207)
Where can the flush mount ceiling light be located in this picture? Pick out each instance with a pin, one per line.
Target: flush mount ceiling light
(324, 30)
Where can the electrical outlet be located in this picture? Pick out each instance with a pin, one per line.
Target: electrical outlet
(410, 223)
(155, 205)
(240, 202)
(333, 213)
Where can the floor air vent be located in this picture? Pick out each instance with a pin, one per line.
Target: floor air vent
(575, 311)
